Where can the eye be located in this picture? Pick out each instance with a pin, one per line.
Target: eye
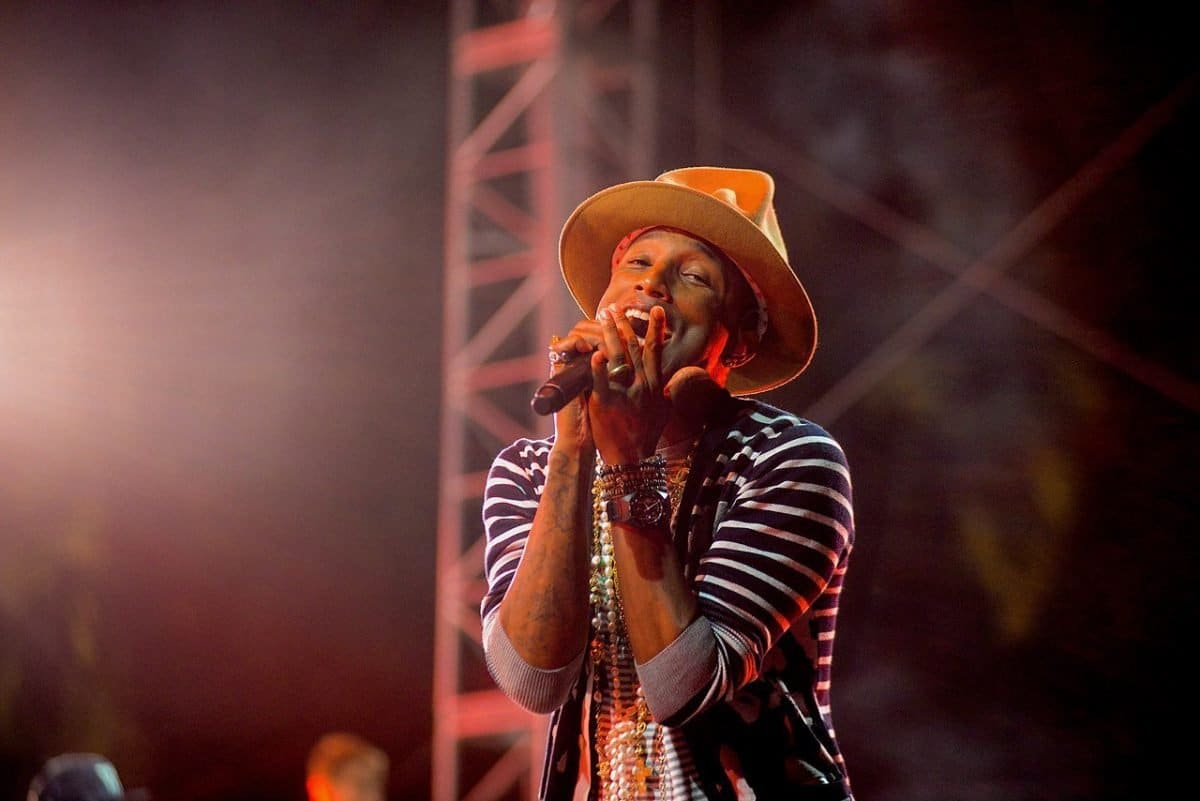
(634, 263)
(698, 277)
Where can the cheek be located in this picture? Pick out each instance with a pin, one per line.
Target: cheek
(697, 345)
(610, 296)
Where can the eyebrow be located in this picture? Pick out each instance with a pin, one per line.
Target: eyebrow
(695, 242)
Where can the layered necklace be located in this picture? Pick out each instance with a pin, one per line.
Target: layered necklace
(631, 763)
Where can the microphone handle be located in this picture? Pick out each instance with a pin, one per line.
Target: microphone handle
(561, 387)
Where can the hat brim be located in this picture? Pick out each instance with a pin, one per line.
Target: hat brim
(591, 233)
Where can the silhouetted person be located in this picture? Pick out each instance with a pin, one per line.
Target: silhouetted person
(81, 777)
(345, 767)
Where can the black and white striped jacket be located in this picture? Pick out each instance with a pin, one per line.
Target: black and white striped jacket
(765, 529)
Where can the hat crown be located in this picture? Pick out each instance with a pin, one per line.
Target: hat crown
(752, 192)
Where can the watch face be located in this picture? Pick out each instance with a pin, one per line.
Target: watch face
(644, 508)
(647, 508)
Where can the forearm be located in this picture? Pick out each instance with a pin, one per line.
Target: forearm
(656, 600)
(673, 645)
(780, 537)
(538, 690)
(545, 611)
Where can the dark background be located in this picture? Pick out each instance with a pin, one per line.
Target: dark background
(220, 284)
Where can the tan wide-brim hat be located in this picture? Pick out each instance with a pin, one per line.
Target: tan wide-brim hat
(731, 209)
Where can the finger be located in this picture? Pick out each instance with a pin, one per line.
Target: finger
(629, 346)
(560, 358)
(629, 340)
(652, 350)
(600, 365)
(584, 337)
(614, 346)
(622, 374)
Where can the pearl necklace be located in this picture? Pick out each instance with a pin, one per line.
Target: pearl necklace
(626, 768)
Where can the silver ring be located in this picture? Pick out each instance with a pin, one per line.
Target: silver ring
(621, 373)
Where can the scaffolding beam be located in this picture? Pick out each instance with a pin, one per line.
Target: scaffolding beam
(533, 90)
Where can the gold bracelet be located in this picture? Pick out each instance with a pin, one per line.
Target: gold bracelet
(615, 481)
(653, 462)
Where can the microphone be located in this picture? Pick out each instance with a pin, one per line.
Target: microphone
(563, 386)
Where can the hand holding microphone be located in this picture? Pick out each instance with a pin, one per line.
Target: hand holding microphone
(573, 379)
(563, 386)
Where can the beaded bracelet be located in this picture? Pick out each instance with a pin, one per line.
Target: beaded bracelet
(627, 486)
(618, 480)
(651, 463)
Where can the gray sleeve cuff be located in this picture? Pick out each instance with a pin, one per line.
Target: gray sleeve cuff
(536, 689)
(677, 673)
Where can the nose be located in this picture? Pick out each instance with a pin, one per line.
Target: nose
(654, 282)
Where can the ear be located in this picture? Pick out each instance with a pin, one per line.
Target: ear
(743, 340)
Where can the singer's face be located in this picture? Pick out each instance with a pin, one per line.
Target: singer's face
(702, 294)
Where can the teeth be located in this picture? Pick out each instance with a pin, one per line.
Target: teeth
(644, 316)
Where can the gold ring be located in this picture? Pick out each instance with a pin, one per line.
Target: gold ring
(621, 373)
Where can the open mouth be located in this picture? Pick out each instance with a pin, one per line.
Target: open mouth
(639, 320)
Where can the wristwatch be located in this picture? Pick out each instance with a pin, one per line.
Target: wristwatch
(644, 508)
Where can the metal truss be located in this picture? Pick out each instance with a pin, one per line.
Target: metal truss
(984, 275)
(532, 98)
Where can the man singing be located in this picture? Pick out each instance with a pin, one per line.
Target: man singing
(664, 572)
